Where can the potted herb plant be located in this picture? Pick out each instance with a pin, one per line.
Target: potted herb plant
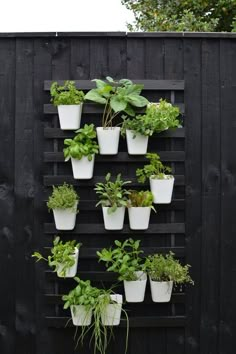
(63, 202)
(163, 272)
(125, 260)
(63, 258)
(96, 311)
(161, 181)
(113, 198)
(158, 117)
(116, 96)
(81, 150)
(139, 209)
(69, 102)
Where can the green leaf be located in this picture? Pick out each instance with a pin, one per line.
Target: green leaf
(94, 96)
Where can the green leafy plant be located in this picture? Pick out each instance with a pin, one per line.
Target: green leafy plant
(140, 199)
(167, 268)
(61, 257)
(83, 144)
(63, 197)
(66, 94)
(95, 300)
(112, 194)
(138, 125)
(123, 259)
(155, 169)
(116, 96)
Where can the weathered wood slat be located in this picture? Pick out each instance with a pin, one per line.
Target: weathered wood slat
(148, 84)
(122, 157)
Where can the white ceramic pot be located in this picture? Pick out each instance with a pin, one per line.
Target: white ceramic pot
(65, 218)
(112, 312)
(83, 168)
(114, 221)
(135, 290)
(137, 145)
(161, 290)
(80, 315)
(70, 116)
(108, 140)
(139, 217)
(70, 272)
(162, 189)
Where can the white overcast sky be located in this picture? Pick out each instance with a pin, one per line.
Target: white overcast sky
(63, 15)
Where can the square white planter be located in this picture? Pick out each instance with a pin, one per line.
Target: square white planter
(108, 140)
(65, 218)
(80, 315)
(114, 221)
(162, 189)
(70, 116)
(70, 272)
(83, 168)
(139, 217)
(137, 145)
(112, 312)
(161, 290)
(135, 290)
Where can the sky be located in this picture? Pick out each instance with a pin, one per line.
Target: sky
(63, 15)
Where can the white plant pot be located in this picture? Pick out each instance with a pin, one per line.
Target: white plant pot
(137, 145)
(65, 218)
(70, 116)
(162, 189)
(80, 315)
(112, 312)
(139, 217)
(161, 290)
(70, 272)
(114, 221)
(83, 168)
(135, 290)
(108, 140)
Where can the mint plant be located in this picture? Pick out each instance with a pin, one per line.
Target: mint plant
(82, 145)
(61, 257)
(63, 197)
(112, 194)
(116, 96)
(123, 259)
(66, 94)
(155, 169)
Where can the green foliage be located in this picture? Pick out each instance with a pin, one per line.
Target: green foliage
(116, 96)
(63, 197)
(138, 125)
(166, 268)
(66, 95)
(154, 169)
(185, 15)
(123, 259)
(112, 194)
(140, 199)
(61, 258)
(83, 144)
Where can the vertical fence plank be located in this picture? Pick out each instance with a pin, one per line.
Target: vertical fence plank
(192, 70)
(154, 58)
(228, 197)
(7, 236)
(24, 194)
(79, 61)
(98, 58)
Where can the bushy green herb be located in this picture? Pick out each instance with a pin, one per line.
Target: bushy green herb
(140, 199)
(61, 258)
(112, 194)
(63, 197)
(138, 125)
(155, 169)
(83, 144)
(116, 96)
(66, 94)
(166, 268)
(123, 259)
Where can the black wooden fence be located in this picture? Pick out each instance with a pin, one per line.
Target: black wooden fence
(198, 73)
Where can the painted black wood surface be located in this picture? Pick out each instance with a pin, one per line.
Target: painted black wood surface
(197, 72)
